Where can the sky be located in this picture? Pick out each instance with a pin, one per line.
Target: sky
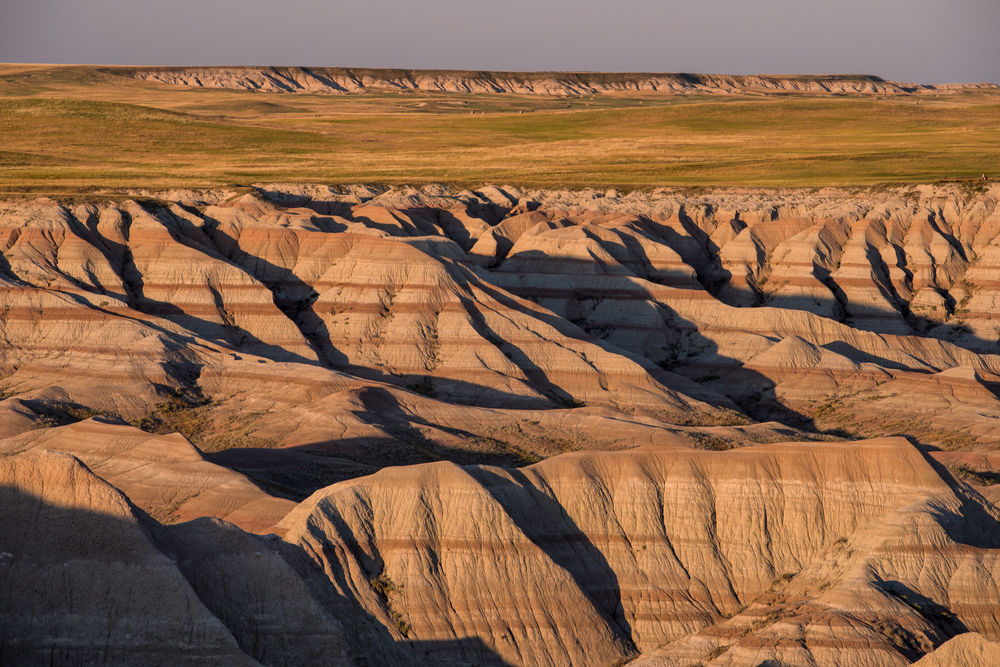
(917, 41)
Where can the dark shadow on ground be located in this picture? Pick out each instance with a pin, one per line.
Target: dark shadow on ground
(939, 616)
(471, 650)
(978, 521)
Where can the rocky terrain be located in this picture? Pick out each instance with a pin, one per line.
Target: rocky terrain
(341, 81)
(304, 425)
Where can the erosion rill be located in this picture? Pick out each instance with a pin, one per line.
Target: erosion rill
(246, 421)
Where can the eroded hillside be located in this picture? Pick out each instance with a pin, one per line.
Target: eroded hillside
(422, 426)
(341, 81)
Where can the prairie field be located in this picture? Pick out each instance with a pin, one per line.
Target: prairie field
(77, 130)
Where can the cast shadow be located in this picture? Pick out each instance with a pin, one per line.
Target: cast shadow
(84, 585)
(546, 523)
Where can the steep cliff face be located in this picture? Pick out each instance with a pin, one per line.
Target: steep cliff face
(364, 426)
(340, 81)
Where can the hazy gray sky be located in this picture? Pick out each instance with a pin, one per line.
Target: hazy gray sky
(924, 41)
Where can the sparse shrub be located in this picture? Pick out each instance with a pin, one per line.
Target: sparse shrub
(723, 417)
(180, 414)
(237, 440)
(716, 652)
(710, 442)
(900, 637)
(386, 589)
(59, 413)
(984, 477)
(383, 585)
(425, 387)
(949, 439)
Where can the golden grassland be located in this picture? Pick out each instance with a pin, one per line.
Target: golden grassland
(76, 130)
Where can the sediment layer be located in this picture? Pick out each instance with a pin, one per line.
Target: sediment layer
(340, 81)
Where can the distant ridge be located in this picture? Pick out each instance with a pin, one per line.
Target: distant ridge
(341, 81)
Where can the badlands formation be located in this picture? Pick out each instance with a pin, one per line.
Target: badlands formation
(342, 81)
(313, 426)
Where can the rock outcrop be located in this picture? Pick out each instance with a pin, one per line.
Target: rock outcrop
(340, 81)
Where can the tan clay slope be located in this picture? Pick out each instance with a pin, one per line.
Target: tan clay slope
(579, 560)
(589, 268)
(917, 260)
(427, 319)
(398, 301)
(166, 476)
(420, 315)
(611, 271)
(848, 554)
(914, 577)
(968, 650)
(867, 260)
(342, 80)
(64, 305)
(79, 324)
(77, 343)
(587, 298)
(588, 280)
(74, 548)
(595, 553)
(593, 270)
(280, 336)
(158, 262)
(89, 579)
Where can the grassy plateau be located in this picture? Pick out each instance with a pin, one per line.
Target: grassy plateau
(71, 130)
